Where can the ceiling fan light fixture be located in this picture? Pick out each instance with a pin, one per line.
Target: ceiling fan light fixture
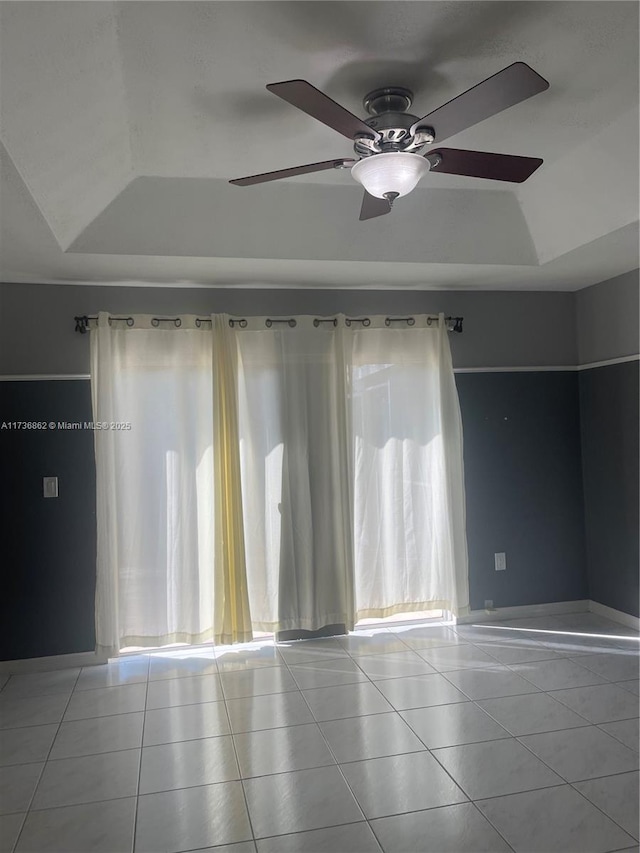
(395, 172)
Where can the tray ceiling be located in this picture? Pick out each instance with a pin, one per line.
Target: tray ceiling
(122, 123)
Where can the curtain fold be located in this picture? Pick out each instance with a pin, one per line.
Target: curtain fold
(232, 615)
(155, 495)
(410, 541)
(295, 482)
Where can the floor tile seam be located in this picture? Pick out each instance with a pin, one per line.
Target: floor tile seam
(303, 831)
(605, 722)
(500, 833)
(178, 705)
(584, 666)
(535, 756)
(80, 690)
(45, 762)
(472, 668)
(303, 663)
(354, 654)
(244, 778)
(190, 704)
(34, 809)
(213, 675)
(313, 723)
(481, 699)
(432, 752)
(55, 759)
(557, 772)
(599, 725)
(560, 704)
(568, 707)
(17, 839)
(500, 796)
(358, 680)
(333, 755)
(227, 698)
(134, 828)
(99, 716)
(596, 806)
(507, 734)
(373, 821)
(237, 761)
(513, 668)
(6, 698)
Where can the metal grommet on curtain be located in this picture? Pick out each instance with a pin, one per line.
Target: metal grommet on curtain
(429, 321)
(411, 321)
(130, 321)
(155, 322)
(292, 323)
(177, 322)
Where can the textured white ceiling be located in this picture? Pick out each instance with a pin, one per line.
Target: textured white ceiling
(122, 123)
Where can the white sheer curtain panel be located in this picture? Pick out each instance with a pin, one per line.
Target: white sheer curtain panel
(409, 505)
(155, 496)
(293, 415)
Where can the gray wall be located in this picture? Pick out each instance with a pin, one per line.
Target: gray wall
(522, 440)
(608, 328)
(523, 486)
(607, 319)
(609, 421)
(502, 329)
(48, 546)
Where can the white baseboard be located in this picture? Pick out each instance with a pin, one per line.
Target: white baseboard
(551, 609)
(46, 664)
(615, 615)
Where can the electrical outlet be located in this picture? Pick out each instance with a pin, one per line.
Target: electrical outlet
(488, 604)
(501, 561)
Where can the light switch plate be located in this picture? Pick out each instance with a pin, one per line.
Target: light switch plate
(50, 487)
(501, 561)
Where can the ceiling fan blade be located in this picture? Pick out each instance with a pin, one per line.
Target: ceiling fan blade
(289, 173)
(373, 206)
(482, 164)
(513, 84)
(315, 103)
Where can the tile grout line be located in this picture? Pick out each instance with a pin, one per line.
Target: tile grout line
(144, 722)
(44, 764)
(237, 759)
(333, 755)
(595, 805)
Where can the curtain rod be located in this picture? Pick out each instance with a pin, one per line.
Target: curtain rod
(454, 324)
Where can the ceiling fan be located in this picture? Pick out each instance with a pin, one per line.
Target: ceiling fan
(390, 143)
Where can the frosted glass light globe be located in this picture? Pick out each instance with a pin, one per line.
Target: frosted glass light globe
(393, 172)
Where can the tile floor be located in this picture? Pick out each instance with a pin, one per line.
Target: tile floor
(518, 736)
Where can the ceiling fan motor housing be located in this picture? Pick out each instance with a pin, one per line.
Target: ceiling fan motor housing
(387, 109)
